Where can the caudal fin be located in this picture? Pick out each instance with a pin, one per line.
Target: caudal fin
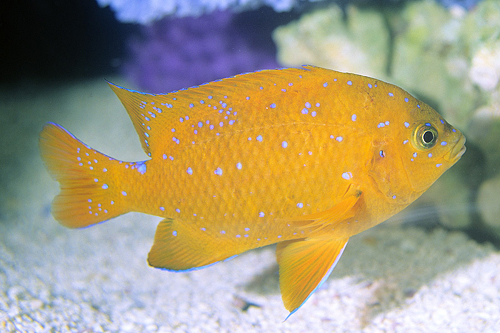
(91, 189)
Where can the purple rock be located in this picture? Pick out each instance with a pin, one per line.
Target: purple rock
(172, 54)
(467, 4)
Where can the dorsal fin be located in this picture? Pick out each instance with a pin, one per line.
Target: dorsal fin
(135, 103)
(181, 112)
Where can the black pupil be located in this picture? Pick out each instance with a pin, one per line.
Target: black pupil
(428, 137)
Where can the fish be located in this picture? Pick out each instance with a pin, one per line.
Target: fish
(303, 158)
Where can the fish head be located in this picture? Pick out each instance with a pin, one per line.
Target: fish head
(410, 157)
(432, 147)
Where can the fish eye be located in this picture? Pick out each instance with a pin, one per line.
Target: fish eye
(425, 136)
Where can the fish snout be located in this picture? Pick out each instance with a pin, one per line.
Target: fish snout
(457, 151)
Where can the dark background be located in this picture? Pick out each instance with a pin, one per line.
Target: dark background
(59, 39)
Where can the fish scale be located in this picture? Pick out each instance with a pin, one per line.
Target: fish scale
(304, 158)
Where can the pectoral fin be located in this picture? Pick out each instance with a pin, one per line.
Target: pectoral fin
(304, 265)
(340, 212)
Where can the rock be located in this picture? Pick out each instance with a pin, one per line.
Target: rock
(488, 202)
(485, 70)
(323, 38)
(430, 62)
(484, 130)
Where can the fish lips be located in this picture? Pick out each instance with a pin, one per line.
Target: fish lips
(457, 151)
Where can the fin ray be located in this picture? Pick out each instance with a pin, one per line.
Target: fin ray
(155, 114)
(86, 194)
(341, 211)
(177, 247)
(304, 265)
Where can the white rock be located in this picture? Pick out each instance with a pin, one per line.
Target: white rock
(485, 70)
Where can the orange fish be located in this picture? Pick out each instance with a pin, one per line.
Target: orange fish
(304, 158)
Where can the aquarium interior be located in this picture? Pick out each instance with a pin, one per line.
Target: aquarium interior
(431, 268)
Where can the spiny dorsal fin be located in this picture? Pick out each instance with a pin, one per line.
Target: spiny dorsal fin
(155, 114)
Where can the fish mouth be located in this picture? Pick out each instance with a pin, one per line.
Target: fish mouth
(457, 151)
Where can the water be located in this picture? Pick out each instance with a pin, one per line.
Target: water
(435, 264)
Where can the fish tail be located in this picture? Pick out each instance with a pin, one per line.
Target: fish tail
(89, 180)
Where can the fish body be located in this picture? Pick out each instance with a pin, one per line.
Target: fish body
(304, 158)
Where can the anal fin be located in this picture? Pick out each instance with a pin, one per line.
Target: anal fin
(304, 265)
(177, 247)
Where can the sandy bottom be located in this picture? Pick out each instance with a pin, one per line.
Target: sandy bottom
(52, 279)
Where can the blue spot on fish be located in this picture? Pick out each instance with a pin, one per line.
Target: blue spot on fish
(141, 167)
(347, 175)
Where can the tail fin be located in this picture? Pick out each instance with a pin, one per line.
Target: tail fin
(90, 186)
